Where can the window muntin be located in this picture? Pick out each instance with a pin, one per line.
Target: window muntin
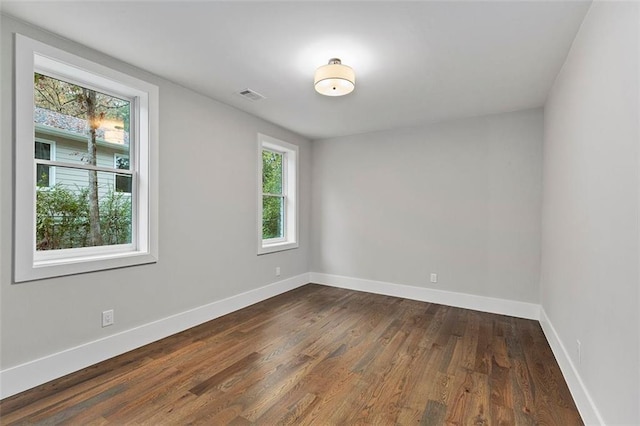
(134, 241)
(277, 206)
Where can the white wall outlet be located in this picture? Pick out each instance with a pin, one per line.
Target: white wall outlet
(434, 278)
(277, 271)
(107, 318)
(579, 351)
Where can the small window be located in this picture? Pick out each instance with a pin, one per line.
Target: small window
(123, 182)
(278, 206)
(83, 222)
(44, 150)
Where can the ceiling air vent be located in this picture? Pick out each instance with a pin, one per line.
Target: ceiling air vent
(251, 95)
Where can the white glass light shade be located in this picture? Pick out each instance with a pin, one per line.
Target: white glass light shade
(334, 79)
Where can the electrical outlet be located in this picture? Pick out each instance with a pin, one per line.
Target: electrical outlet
(434, 278)
(277, 271)
(107, 318)
(579, 350)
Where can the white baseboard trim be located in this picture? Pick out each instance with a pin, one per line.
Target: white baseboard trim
(461, 300)
(586, 407)
(25, 376)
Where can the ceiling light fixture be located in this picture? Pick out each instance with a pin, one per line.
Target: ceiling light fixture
(334, 79)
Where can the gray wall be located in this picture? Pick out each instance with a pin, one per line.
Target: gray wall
(589, 279)
(207, 224)
(460, 198)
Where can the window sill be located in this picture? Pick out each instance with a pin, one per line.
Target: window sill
(276, 247)
(43, 269)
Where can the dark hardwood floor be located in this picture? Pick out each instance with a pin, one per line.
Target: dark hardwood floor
(324, 356)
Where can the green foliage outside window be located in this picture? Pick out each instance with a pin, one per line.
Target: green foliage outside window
(62, 218)
(273, 197)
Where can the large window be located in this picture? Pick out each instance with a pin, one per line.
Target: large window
(277, 188)
(80, 207)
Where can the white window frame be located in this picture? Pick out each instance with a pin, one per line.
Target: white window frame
(52, 157)
(29, 264)
(290, 192)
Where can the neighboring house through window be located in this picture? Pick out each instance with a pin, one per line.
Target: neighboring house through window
(278, 195)
(89, 134)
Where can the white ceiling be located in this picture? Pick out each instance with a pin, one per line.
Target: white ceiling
(415, 62)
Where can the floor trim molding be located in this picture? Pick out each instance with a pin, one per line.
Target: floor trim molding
(460, 300)
(582, 398)
(25, 376)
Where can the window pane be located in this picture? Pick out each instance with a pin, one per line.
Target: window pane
(123, 183)
(271, 172)
(43, 151)
(77, 111)
(122, 162)
(68, 217)
(42, 175)
(272, 217)
(84, 208)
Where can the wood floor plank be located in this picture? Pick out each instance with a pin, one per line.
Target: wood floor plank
(478, 410)
(434, 413)
(297, 410)
(320, 355)
(241, 366)
(483, 347)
